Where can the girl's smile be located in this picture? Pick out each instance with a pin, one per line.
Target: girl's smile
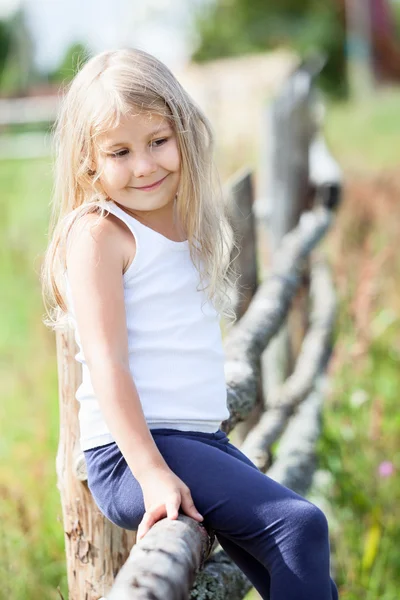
(147, 188)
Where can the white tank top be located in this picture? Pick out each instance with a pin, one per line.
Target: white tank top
(175, 347)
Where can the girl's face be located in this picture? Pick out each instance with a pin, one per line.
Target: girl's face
(140, 162)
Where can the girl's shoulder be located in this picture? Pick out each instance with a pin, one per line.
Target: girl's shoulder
(95, 233)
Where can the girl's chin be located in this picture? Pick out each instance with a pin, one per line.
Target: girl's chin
(145, 204)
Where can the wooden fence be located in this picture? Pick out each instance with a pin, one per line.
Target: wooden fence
(286, 303)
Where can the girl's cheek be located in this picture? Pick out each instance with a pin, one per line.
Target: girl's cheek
(175, 158)
(113, 174)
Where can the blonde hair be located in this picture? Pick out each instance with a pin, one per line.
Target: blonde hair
(107, 87)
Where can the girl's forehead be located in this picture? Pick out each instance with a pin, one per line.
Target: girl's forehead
(136, 125)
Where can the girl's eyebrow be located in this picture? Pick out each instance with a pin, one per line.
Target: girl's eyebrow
(164, 129)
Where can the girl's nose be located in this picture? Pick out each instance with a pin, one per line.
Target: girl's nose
(143, 165)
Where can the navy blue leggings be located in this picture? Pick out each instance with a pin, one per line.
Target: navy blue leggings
(276, 537)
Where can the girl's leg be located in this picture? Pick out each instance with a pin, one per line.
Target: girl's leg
(254, 570)
(122, 502)
(268, 523)
(251, 567)
(283, 531)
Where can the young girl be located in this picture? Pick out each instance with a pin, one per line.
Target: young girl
(139, 262)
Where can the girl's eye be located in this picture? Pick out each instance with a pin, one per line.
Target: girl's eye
(158, 143)
(119, 154)
(153, 144)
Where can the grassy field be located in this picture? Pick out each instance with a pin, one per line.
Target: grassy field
(366, 136)
(362, 423)
(360, 445)
(31, 536)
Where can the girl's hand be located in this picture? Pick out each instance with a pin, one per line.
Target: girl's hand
(163, 494)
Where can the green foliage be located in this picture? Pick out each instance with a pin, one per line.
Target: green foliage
(75, 57)
(365, 134)
(4, 44)
(395, 11)
(32, 559)
(356, 440)
(233, 27)
(18, 70)
(361, 417)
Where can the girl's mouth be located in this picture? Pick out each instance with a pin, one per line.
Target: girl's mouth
(148, 188)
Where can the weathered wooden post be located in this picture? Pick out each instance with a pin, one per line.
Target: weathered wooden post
(95, 548)
(285, 183)
(240, 196)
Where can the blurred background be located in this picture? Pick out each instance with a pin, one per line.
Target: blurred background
(232, 56)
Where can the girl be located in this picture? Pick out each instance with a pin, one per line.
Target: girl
(139, 263)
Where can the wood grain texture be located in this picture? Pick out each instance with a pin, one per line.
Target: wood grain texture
(95, 548)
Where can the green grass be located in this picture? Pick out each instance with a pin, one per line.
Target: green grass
(362, 426)
(366, 135)
(361, 417)
(31, 533)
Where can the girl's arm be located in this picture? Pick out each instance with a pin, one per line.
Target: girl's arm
(95, 263)
(95, 269)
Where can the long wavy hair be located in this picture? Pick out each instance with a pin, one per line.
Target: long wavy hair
(108, 87)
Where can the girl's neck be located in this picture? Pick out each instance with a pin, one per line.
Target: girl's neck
(161, 220)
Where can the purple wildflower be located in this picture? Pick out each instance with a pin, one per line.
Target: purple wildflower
(386, 468)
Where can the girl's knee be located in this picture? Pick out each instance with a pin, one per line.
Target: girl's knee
(311, 520)
(126, 519)
(126, 512)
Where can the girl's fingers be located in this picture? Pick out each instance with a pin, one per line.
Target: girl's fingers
(171, 510)
(189, 507)
(149, 518)
(172, 506)
(144, 526)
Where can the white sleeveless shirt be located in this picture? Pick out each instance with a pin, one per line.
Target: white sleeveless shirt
(175, 347)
